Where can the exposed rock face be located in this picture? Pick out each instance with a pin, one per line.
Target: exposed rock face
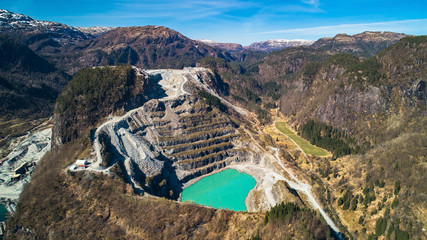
(174, 139)
(16, 168)
(288, 61)
(363, 97)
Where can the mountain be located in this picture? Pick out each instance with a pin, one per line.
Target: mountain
(380, 104)
(232, 47)
(369, 112)
(277, 44)
(29, 86)
(40, 36)
(144, 47)
(150, 133)
(366, 44)
(95, 31)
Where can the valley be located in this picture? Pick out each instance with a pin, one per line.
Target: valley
(108, 131)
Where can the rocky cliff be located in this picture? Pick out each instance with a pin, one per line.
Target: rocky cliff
(353, 94)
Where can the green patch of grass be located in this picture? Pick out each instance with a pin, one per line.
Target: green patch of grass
(304, 144)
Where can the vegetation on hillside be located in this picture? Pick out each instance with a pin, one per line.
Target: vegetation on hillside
(91, 94)
(328, 137)
(289, 213)
(211, 100)
(29, 86)
(304, 144)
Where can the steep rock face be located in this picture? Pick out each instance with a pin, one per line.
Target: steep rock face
(366, 44)
(360, 97)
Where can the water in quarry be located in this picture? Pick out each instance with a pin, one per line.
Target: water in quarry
(227, 189)
(3, 213)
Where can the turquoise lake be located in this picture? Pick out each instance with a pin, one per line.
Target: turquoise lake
(3, 213)
(227, 189)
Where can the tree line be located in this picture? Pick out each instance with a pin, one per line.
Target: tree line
(328, 137)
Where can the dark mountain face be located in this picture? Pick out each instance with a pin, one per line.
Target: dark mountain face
(145, 47)
(366, 44)
(28, 83)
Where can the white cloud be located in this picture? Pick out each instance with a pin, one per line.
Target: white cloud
(406, 26)
(311, 2)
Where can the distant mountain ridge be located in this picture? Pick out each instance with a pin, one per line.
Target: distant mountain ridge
(36, 30)
(278, 44)
(95, 30)
(72, 48)
(228, 46)
(366, 44)
(144, 47)
(263, 46)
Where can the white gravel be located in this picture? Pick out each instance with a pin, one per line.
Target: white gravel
(30, 150)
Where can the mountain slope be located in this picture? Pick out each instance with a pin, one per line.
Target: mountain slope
(232, 47)
(29, 86)
(381, 102)
(277, 44)
(144, 47)
(41, 36)
(366, 44)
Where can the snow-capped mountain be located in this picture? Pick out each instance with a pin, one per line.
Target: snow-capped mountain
(15, 22)
(95, 31)
(277, 44)
(35, 31)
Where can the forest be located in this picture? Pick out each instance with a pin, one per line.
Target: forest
(328, 137)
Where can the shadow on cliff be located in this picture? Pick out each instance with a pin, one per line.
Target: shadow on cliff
(154, 90)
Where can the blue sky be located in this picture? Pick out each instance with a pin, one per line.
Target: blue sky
(240, 21)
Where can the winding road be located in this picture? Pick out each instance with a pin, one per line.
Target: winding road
(306, 189)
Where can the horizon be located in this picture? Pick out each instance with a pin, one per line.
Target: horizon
(235, 21)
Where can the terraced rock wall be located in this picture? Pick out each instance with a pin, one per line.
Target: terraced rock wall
(167, 142)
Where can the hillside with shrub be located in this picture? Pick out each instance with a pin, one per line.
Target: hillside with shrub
(91, 94)
(380, 105)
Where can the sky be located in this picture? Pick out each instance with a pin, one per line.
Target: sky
(237, 21)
